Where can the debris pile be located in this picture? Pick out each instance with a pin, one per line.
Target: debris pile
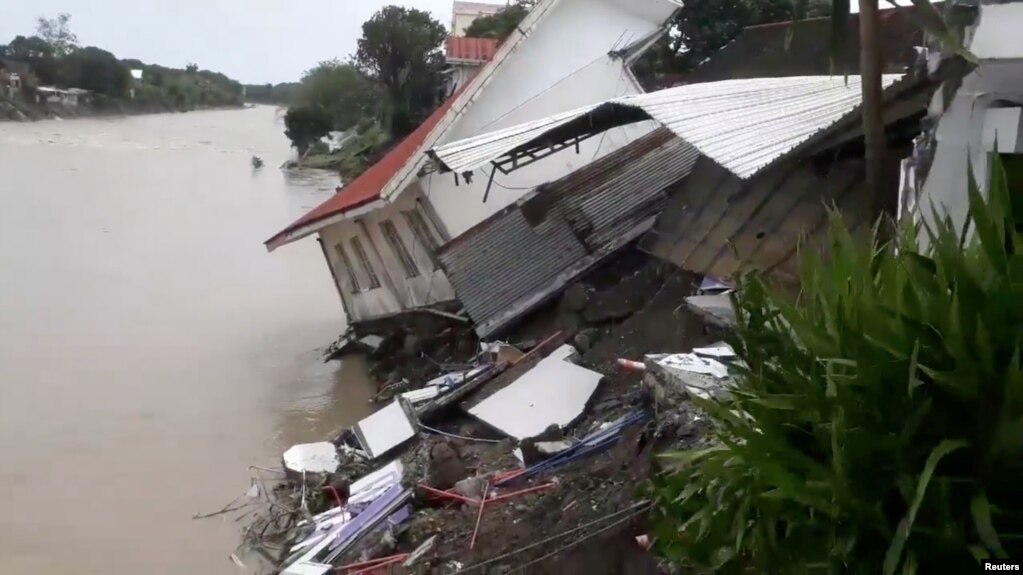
(501, 455)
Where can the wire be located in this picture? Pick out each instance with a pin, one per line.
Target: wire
(564, 548)
(454, 436)
(509, 188)
(540, 93)
(637, 508)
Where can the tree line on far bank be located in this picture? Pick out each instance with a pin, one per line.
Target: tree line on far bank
(54, 58)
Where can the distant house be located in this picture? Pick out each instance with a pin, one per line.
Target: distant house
(136, 81)
(70, 97)
(382, 231)
(463, 14)
(464, 57)
(12, 76)
(772, 154)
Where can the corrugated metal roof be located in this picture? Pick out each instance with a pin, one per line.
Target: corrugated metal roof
(744, 125)
(514, 260)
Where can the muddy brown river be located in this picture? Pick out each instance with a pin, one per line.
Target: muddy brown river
(150, 349)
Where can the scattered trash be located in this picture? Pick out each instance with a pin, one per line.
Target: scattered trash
(554, 392)
(689, 362)
(603, 438)
(704, 377)
(314, 458)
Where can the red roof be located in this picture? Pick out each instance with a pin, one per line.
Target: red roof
(473, 49)
(366, 188)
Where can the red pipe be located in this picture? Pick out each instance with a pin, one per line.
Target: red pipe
(479, 516)
(374, 562)
(523, 491)
(448, 494)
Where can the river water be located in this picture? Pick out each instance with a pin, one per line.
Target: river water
(150, 349)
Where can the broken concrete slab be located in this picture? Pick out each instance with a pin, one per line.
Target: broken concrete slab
(384, 430)
(311, 458)
(716, 309)
(553, 392)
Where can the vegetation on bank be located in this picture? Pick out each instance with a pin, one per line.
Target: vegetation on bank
(52, 57)
(375, 97)
(877, 426)
(273, 94)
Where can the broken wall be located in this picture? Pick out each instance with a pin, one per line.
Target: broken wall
(717, 224)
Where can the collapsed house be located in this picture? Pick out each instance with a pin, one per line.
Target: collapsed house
(381, 231)
(773, 154)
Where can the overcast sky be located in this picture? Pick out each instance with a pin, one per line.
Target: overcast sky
(254, 41)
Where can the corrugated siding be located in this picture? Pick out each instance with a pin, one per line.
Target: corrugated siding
(507, 263)
(507, 259)
(744, 125)
(629, 188)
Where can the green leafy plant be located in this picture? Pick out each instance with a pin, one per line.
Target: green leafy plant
(877, 423)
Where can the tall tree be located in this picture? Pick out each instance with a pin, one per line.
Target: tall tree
(94, 69)
(702, 27)
(400, 48)
(347, 95)
(57, 33)
(500, 25)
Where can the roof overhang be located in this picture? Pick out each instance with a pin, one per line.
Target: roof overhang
(507, 48)
(743, 125)
(293, 235)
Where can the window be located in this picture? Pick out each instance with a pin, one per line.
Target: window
(367, 268)
(391, 235)
(424, 237)
(353, 280)
(417, 224)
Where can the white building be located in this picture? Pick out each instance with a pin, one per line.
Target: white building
(984, 113)
(380, 231)
(465, 13)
